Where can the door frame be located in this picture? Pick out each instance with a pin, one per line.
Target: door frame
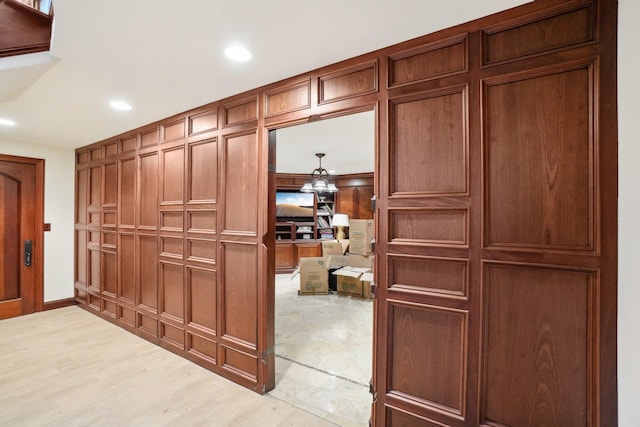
(269, 239)
(38, 250)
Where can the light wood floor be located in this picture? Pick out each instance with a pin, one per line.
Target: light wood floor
(67, 367)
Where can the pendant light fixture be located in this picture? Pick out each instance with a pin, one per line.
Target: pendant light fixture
(319, 181)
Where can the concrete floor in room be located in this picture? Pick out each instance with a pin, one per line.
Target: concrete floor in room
(323, 353)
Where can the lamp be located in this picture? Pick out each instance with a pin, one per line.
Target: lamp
(319, 181)
(341, 221)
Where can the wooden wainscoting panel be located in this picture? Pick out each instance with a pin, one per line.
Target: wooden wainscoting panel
(96, 153)
(147, 326)
(81, 257)
(539, 345)
(543, 33)
(289, 98)
(172, 247)
(110, 185)
(110, 148)
(398, 417)
(148, 191)
(206, 121)
(241, 183)
(202, 172)
(442, 277)
(127, 268)
(414, 357)
(241, 111)
(429, 143)
(438, 59)
(202, 221)
(434, 226)
(82, 180)
(202, 299)
(540, 164)
(239, 293)
(172, 336)
(127, 192)
(95, 187)
(205, 350)
(240, 364)
(172, 130)
(109, 274)
(149, 137)
(172, 175)
(347, 83)
(147, 282)
(172, 220)
(94, 270)
(171, 287)
(201, 250)
(128, 144)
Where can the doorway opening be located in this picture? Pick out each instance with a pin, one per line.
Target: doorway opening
(323, 342)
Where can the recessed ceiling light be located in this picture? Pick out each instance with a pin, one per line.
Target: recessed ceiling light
(237, 53)
(7, 122)
(120, 105)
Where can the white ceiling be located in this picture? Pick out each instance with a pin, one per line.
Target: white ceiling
(166, 56)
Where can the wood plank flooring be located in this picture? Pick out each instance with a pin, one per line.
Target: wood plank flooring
(67, 367)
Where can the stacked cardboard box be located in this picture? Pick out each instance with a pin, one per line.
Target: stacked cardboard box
(361, 236)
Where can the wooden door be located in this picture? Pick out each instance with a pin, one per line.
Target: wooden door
(20, 287)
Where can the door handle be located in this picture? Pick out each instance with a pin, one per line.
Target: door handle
(28, 250)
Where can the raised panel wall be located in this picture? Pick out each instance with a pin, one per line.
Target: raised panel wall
(496, 204)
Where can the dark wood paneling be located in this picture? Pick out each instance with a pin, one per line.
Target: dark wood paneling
(240, 294)
(202, 299)
(241, 181)
(127, 193)
(109, 274)
(496, 144)
(110, 149)
(149, 138)
(203, 172)
(126, 268)
(443, 277)
(81, 196)
(429, 226)
(429, 143)
(437, 59)
(548, 31)
(287, 99)
(128, 144)
(171, 131)
(540, 165)
(172, 291)
(148, 274)
(241, 111)
(539, 345)
(148, 194)
(202, 221)
(172, 182)
(348, 83)
(203, 122)
(422, 372)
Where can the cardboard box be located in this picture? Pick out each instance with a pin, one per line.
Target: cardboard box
(367, 280)
(360, 236)
(334, 247)
(354, 260)
(314, 277)
(350, 281)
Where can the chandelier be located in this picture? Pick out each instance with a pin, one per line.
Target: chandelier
(319, 181)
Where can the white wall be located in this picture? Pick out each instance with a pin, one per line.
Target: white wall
(59, 167)
(629, 213)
